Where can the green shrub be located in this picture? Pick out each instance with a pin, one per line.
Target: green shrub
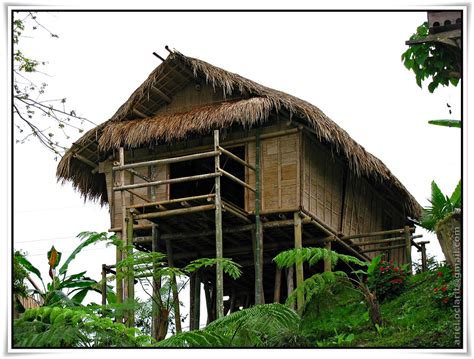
(388, 280)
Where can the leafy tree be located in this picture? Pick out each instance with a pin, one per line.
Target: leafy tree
(36, 115)
(441, 206)
(64, 289)
(439, 62)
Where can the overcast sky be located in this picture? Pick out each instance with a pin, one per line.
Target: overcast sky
(347, 64)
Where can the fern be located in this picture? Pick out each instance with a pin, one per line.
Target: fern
(315, 285)
(312, 255)
(228, 266)
(196, 339)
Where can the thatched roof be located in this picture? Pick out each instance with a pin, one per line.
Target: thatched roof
(138, 122)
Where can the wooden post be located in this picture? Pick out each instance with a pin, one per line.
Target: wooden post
(276, 293)
(258, 236)
(119, 253)
(232, 300)
(290, 283)
(299, 266)
(327, 261)
(130, 278)
(192, 304)
(104, 284)
(219, 248)
(156, 310)
(174, 288)
(197, 299)
(407, 235)
(424, 265)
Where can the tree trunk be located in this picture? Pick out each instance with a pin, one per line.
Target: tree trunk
(448, 232)
(162, 328)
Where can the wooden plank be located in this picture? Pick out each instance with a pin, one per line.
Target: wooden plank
(218, 223)
(379, 233)
(380, 241)
(176, 200)
(299, 266)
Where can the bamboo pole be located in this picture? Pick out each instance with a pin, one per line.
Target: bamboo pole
(175, 212)
(258, 237)
(290, 283)
(156, 303)
(219, 249)
(380, 241)
(176, 200)
(327, 261)
(197, 300)
(130, 278)
(380, 233)
(166, 160)
(174, 288)
(424, 264)
(192, 302)
(408, 247)
(235, 158)
(168, 181)
(381, 249)
(104, 284)
(236, 180)
(121, 295)
(299, 266)
(276, 292)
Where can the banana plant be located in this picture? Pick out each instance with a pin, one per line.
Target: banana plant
(64, 289)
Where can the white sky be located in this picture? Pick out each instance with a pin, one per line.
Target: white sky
(347, 64)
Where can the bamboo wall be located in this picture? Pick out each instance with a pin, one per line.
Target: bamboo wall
(280, 180)
(322, 187)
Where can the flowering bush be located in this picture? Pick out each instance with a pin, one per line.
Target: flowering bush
(443, 287)
(387, 280)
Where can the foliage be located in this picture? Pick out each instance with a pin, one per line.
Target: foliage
(339, 340)
(441, 206)
(19, 276)
(431, 264)
(49, 327)
(387, 280)
(76, 285)
(35, 115)
(312, 255)
(444, 286)
(433, 60)
(446, 123)
(267, 325)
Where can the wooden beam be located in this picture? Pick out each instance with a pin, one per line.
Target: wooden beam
(276, 292)
(160, 94)
(327, 261)
(382, 249)
(408, 247)
(299, 266)
(166, 160)
(258, 234)
(174, 288)
(168, 181)
(156, 302)
(236, 158)
(218, 222)
(379, 233)
(380, 241)
(176, 212)
(209, 197)
(104, 284)
(229, 208)
(130, 278)
(197, 299)
(236, 180)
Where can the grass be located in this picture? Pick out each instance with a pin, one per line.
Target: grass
(412, 320)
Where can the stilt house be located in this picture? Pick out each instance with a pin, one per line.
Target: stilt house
(208, 163)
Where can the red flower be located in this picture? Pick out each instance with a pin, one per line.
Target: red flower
(439, 274)
(436, 290)
(445, 300)
(395, 269)
(443, 288)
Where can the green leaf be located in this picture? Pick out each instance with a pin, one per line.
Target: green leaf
(92, 237)
(432, 86)
(79, 296)
(456, 196)
(373, 264)
(446, 123)
(27, 265)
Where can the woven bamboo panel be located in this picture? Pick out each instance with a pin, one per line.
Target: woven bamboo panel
(322, 183)
(279, 173)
